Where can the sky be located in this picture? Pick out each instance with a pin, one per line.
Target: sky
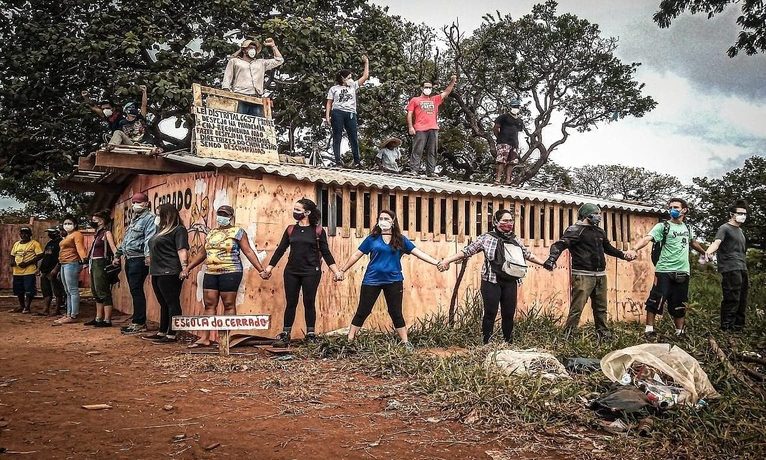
(711, 111)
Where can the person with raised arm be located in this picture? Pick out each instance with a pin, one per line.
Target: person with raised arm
(340, 111)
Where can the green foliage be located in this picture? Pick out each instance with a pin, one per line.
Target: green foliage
(713, 198)
(752, 38)
(626, 182)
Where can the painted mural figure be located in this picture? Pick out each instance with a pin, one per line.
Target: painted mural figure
(135, 248)
(223, 266)
(507, 128)
(423, 123)
(169, 250)
(245, 73)
(731, 246)
(672, 269)
(340, 111)
(385, 245)
(308, 245)
(587, 244)
(25, 254)
(100, 256)
(504, 267)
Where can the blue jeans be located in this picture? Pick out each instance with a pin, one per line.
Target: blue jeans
(250, 109)
(136, 271)
(339, 121)
(70, 276)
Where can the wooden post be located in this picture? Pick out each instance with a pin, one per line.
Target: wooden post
(437, 217)
(474, 220)
(412, 230)
(359, 212)
(461, 219)
(556, 222)
(373, 208)
(527, 213)
(424, 217)
(484, 207)
(449, 223)
(332, 206)
(223, 347)
(346, 211)
(546, 227)
(399, 202)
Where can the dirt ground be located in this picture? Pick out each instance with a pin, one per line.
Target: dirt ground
(159, 409)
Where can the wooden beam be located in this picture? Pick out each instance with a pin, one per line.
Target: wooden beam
(332, 206)
(77, 186)
(86, 163)
(139, 163)
(374, 211)
(346, 211)
(437, 217)
(359, 212)
(461, 219)
(527, 224)
(449, 223)
(473, 216)
(425, 217)
(411, 231)
(546, 225)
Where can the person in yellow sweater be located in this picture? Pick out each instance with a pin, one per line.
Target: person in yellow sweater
(24, 257)
(72, 256)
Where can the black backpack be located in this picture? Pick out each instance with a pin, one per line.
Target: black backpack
(658, 245)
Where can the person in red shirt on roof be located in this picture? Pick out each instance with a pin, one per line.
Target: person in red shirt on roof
(422, 121)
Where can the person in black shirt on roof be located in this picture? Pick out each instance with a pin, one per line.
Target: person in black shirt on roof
(507, 128)
(307, 241)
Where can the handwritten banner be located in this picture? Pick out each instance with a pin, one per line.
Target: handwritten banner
(220, 322)
(234, 136)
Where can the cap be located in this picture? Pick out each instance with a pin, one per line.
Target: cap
(139, 197)
(225, 209)
(587, 209)
(389, 140)
(25, 230)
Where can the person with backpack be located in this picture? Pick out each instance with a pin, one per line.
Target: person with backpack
(504, 266)
(100, 256)
(307, 241)
(588, 247)
(670, 254)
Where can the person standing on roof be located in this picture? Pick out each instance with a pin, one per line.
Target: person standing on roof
(245, 73)
(507, 128)
(588, 245)
(340, 110)
(672, 270)
(422, 122)
(307, 241)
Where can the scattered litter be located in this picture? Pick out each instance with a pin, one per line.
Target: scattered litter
(183, 376)
(205, 390)
(621, 402)
(497, 455)
(617, 426)
(471, 418)
(212, 446)
(167, 407)
(283, 358)
(527, 362)
(96, 406)
(645, 427)
(338, 332)
(433, 420)
(582, 365)
(393, 405)
(179, 438)
(374, 444)
(7, 382)
(91, 353)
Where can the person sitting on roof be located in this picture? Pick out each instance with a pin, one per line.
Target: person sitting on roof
(244, 73)
(106, 110)
(389, 155)
(132, 129)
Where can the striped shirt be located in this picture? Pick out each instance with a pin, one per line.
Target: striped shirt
(488, 243)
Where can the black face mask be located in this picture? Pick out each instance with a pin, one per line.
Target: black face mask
(93, 224)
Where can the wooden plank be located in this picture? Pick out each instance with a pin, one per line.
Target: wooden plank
(450, 222)
(473, 216)
(138, 163)
(411, 231)
(556, 222)
(399, 201)
(332, 207)
(483, 207)
(425, 216)
(437, 217)
(346, 211)
(197, 94)
(359, 212)
(374, 211)
(229, 95)
(461, 219)
(529, 239)
(86, 163)
(546, 227)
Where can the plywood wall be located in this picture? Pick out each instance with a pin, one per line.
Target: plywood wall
(438, 225)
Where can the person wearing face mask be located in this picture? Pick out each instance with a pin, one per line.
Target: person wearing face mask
(105, 110)
(423, 123)
(245, 73)
(731, 246)
(307, 241)
(507, 128)
(72, 255)
(50, 282)
(25, 254)
(498, 288)
(133, 129)
(101, 254)
(340, 111)
(385, 245)
(672, 269)
(224, 246)
(588, 244)
(135, 248)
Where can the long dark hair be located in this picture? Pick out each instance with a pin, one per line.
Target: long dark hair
(73, 219)
(169, 218)
(106, 216)
(314, 213)
(341, 76)
(396, 233)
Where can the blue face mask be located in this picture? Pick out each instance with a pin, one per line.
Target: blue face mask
(223, 220)
(675, 213)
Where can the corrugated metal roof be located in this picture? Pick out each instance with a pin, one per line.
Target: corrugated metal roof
(381, 180)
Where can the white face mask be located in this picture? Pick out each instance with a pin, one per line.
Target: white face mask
(138, 207)
(349, 81)
(515, 111)
(68, 227)
(223, 220)
(385, 225)
(251, 53)
(739, 218)
(157, 221)
(107, 112)
(427, 91)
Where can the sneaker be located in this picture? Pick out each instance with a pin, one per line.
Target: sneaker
(408, 346)
(66, 320)
(93, 322)
(311, 337)
(103, 324)
(153, 337)
(283, 340)
(165, 339)
(650, 336)
(358, 165)
(133, 329)
(26, 311)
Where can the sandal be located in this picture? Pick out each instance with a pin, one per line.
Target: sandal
(199, 345)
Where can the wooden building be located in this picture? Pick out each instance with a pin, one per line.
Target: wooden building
(440, 216)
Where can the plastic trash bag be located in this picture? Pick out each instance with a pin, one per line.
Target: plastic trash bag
(526, 362)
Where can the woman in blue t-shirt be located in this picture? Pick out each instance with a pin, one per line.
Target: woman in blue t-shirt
(385, 245)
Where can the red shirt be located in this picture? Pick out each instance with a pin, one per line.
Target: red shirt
(425, 109)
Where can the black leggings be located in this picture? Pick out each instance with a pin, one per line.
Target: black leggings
(504, 294)
(293, 285)
(167, 289)
(368, 295)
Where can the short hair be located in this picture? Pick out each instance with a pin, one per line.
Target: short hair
(341, 76)
(684, 203)
(426, 83)
(106, 102)
(738, 204)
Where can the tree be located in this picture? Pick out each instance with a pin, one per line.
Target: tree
(752, 37)
(559, 64)
(626, 183)
(715, 196)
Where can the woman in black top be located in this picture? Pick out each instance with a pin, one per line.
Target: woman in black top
(168, 249)
(308, 246)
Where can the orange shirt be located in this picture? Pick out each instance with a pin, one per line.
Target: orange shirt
(72, 248)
